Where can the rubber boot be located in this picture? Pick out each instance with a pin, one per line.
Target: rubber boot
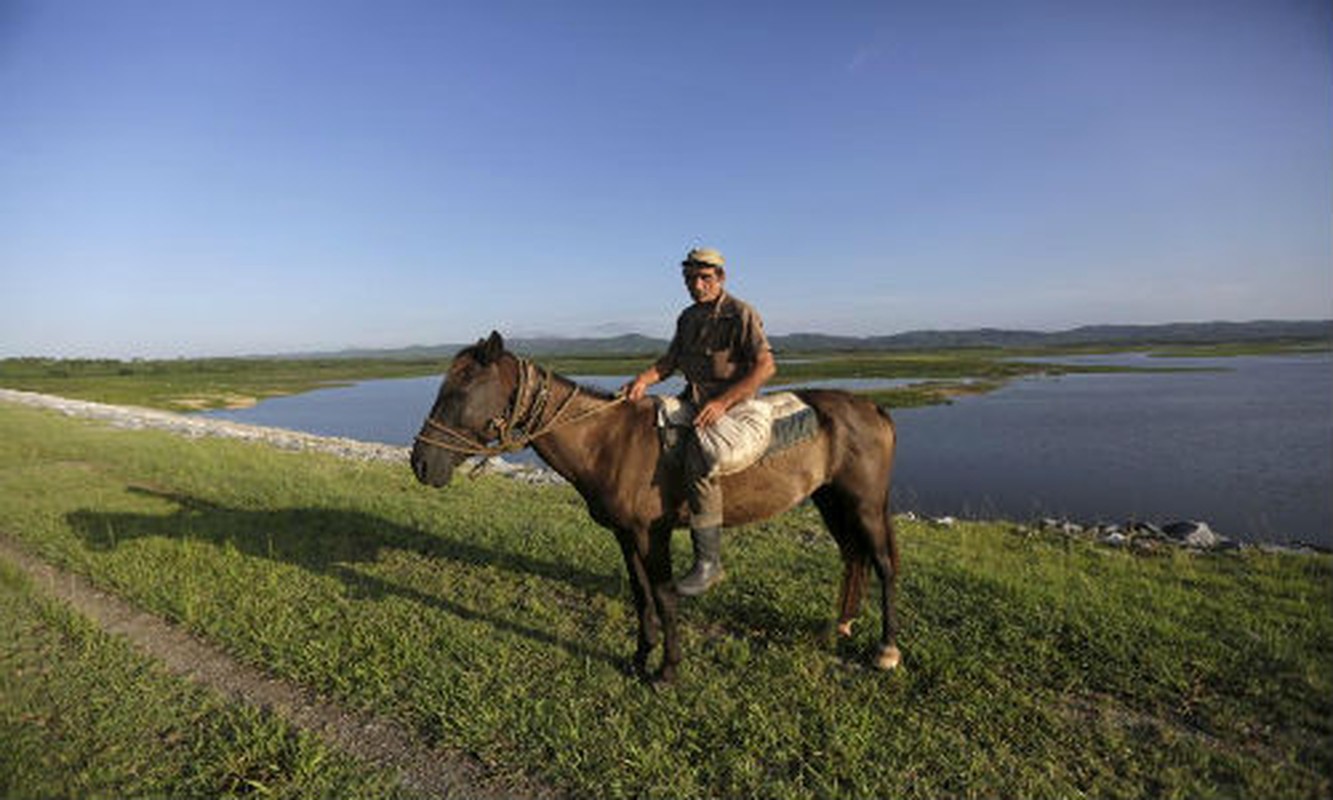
(707, 571)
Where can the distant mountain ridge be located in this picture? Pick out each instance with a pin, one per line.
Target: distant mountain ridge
(626, 344)
(1169, 333)
(1129, 335)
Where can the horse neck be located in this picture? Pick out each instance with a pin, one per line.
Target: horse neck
(579, 432)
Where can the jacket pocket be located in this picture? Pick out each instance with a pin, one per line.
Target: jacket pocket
(723, 368)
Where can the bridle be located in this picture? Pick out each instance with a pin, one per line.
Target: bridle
(522, 421)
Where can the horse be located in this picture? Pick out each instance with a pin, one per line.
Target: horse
(608, 448)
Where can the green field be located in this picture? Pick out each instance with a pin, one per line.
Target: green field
(493, 620)
(196, 384)
(83, 715)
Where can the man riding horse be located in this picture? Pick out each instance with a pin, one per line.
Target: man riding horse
(721, 349)
(611, 451)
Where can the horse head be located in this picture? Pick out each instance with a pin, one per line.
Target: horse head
(469, 410)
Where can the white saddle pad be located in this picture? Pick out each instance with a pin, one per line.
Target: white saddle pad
(740, 438)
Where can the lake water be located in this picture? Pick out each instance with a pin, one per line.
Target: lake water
(1246, 446)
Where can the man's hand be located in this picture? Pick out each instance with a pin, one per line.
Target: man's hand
(637, 388)
(712, 411)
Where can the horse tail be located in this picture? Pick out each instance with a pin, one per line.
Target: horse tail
(886, 415)
(891, 536)
(890, 533)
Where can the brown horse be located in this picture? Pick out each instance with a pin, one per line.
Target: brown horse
(493, 401)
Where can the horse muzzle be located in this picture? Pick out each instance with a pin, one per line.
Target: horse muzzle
(432, 466)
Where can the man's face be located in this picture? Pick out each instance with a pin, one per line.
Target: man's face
(704, 283)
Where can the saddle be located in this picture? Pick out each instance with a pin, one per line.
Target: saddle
(750, 431)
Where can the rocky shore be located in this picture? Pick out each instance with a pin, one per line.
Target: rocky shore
(1137, 536)
(135, 418)
(1144, 537)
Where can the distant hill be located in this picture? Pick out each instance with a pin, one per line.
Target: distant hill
(1128, 335)
(626, 344)
(1136, 335)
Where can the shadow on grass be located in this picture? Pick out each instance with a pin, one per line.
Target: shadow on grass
(329, 542)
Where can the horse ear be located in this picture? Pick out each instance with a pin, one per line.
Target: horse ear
(493, 348)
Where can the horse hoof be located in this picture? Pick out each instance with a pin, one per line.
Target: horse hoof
(844, 629)
(636, 668)
(888, 658)
(663, 679)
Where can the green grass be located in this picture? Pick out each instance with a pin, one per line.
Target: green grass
(193, 384)
(494, 618)
(1225, 350)
(83, 715)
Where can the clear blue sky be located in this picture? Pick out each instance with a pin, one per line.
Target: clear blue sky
(215, 178)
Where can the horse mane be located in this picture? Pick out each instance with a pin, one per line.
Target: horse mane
(592, 391)
(491, 350)
(584, 389)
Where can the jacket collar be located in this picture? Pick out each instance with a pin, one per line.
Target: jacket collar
(714, 308)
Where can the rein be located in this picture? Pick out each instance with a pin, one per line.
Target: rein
(514, 429)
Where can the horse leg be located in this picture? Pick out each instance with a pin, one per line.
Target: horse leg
(884, 556)
(854, 559)
(664, 596)
(852, 593)
(644, 604)
(868, 524)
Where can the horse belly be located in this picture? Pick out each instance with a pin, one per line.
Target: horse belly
(772, 486)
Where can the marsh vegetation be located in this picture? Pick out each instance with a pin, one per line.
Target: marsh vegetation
(198, 384)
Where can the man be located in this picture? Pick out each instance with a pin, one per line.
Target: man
(721, 348)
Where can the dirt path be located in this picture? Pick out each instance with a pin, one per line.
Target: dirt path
(373, 739)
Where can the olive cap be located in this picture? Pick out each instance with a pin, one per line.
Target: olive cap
(703, 257)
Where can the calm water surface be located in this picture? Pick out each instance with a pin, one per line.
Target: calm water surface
(1247, 446)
